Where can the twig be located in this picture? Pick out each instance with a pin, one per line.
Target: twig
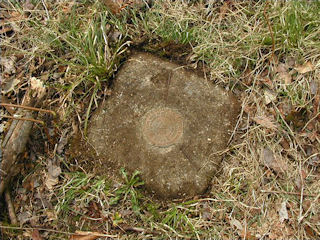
(289, 193)
(11, 212)
(269, 26)
(28, 108)
(23, 119)
(57, 231)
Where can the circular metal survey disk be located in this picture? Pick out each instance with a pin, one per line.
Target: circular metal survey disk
(162, 127)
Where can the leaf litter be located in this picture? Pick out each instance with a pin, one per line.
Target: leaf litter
(275, 163)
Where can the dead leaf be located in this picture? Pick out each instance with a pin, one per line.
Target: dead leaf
(269, 96)
(270, 161)
(115, 35)
(51, 215)
(234, 222)
(310, 232)
(314, 86)
(267, 81)
(9, 84)
(36, 235)
(63, 141)
(127, 227)
(28, 5)
(297, 119)
(314, 161)
(285, 77)
(285, 144)
(223, 10)
(53, 169)
(37, 87)
(80, 235)
(281, 68)
(115, 6)
(265, 122)
(283, 213)
(54, 172)
(51, 182)
(24, 217)
(8, 64)
(304, 68)
(67, 6)
(206, 212)
(246, 234)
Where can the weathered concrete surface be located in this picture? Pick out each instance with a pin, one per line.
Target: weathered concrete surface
(165, 122)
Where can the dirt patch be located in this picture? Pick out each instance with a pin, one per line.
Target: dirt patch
(164, 121)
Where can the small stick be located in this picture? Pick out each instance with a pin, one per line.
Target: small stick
(28, 108)
(23, 119)
(12, 214)
(289, 193)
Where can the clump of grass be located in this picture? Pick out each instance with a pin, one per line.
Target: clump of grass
(79, 190)
(237, 39)
(128, 190)
(74, 38)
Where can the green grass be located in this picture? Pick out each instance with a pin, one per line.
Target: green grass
(128, 191)
(79, 190)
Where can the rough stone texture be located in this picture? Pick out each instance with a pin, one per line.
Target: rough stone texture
(167, 123)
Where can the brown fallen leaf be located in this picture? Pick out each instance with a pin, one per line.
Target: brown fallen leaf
(268, 159)
(246, 234)
(297, 119)
(236, 223)
(80, 235)
(269, 96)
(36, 235)
(83, 237)
(265, 122)
(267, 81)
(304, 68)
(54, 172)
(285, 77)
(310, 232)
(115, 6)
(223, 9)
(28, 5)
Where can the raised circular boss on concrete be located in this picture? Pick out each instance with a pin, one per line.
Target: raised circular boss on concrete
(164, 121)
(162, 127)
